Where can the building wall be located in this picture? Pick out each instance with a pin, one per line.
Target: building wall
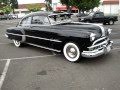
(24, 6)
(110, 6)
(109, 9)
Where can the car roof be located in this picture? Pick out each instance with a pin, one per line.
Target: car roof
(45, 13)
(41, 13)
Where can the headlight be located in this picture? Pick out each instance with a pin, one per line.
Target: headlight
(109, 31)
(92, 36)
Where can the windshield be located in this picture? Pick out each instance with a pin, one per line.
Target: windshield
(57, 19)
(91, 14)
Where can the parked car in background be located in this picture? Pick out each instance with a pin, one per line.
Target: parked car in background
(58, 33)
(99, 17)
(81, 14)
(3, 17)
(12, 16)
(8, 16)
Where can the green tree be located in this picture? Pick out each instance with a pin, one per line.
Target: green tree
(82, 5)
(34, 7)
(12, 3)
(4, 1)
(85, 5)
(67, 3)
(7, 9)
(48, 5)
(5, 6)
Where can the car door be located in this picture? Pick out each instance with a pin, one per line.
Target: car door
(98, 17)
(24, 25)
(56, 37)
(95, 17)
(38, 32)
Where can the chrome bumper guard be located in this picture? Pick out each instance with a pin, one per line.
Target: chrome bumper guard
(104, 49)
(6, 35)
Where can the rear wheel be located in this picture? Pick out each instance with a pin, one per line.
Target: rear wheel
(111, 22)
(72, 52)
(17, 43)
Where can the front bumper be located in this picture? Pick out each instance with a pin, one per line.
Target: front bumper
(104, 49)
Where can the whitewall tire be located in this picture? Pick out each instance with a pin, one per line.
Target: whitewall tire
(72, 52)
(17, 43)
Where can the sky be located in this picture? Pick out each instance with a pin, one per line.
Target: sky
(30, 1)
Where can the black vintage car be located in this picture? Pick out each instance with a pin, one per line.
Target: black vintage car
(58, 33)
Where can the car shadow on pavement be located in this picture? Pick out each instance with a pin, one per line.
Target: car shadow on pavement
(104, 59)
(88, 61)
(32, 48)
(97, 61)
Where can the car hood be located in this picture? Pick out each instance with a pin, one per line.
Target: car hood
(81, 27)
(84, 17)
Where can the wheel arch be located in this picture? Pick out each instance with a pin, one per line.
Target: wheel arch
(81, 42)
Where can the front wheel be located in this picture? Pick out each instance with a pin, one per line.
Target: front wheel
(104, 23)
(72, 52)
(17, 43)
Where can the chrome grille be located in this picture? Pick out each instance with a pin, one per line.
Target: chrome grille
(98, 41)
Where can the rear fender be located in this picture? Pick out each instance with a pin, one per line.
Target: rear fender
(16, 34)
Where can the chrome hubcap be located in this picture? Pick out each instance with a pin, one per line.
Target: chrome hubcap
(17, 43)
(72, 52)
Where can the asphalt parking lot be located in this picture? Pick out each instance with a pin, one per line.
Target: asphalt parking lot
(32, 68)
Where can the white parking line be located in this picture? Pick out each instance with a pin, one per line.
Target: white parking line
(5, 24)
(115, 48)
(33, 57)
(2, 78)
(2, 36)
(4, 43)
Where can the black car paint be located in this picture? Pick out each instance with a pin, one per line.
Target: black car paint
(15, 33)
(55, 36)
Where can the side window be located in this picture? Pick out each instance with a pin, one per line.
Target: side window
(26, 21)
(40, 20)
(102, 14)
(97, 15)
